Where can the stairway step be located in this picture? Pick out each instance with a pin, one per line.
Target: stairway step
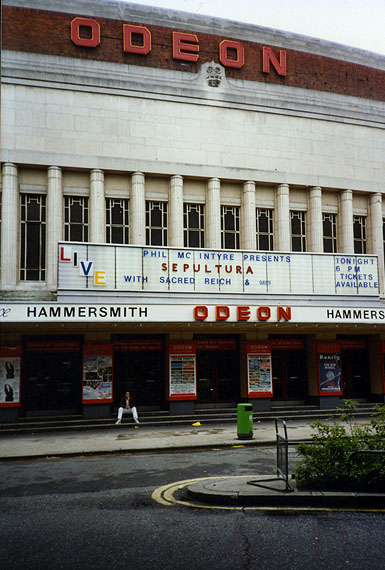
(158, 418)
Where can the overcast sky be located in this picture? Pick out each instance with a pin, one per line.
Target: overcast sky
(357, 23)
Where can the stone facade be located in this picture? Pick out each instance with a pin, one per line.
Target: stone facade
(100, 123)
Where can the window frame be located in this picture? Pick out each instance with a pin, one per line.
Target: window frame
(228, 233)
(28, 248)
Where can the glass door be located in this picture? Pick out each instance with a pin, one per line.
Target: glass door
(289, 375)
(355, 374)
(217, 379)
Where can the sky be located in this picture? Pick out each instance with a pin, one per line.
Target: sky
(356, 23)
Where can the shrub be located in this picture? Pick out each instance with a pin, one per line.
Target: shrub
(328, 462)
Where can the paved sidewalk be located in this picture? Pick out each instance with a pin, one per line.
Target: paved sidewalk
(233, 491)
(128, 438)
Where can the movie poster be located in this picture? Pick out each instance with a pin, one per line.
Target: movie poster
(259, 371)
(182, 381)
(9, 380)
(10, 368)
(329, 372)
(97, 374)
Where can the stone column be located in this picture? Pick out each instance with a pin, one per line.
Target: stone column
(213, 214)
(9, 226)
(375, 241)
(282, 234)
(248, 217)
(54, 222)
(314, 229)
(175, 204)
(346, 222)
(137, 209)
(97, 207)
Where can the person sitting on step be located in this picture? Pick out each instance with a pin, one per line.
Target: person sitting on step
(127, 406)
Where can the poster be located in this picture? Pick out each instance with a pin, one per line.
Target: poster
(329, 366)
(10, 376)
(182, 384)
(259, 373)
(97, 374)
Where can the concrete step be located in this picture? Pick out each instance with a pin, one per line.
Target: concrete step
(47, 424)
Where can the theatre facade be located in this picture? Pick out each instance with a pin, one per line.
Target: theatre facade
(191, 209)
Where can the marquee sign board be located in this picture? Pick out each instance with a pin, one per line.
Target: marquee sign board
(130, 269)
(178, 313)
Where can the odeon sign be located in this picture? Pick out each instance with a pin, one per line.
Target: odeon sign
(185, 46)
(243, 313)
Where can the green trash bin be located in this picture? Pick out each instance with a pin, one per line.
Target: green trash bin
(245, 421)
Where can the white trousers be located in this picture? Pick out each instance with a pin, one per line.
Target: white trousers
(132, 411)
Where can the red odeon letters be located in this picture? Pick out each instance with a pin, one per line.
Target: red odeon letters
(85, 32)
(243, 313)
(144, 44)
(91, 26)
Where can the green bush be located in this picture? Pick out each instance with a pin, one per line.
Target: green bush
(327, 463)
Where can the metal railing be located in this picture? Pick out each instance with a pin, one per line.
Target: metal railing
(282, 444)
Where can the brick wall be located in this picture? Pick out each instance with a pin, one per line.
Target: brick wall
(49, 33)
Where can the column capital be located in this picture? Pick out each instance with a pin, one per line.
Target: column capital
(54, 172)
(249, 186)
(97, 175)
(376, 197)
(9, 169)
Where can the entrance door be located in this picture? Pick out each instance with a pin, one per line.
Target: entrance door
(289, 375)
(355, 374)
(217, 376)
(142, 373)
(51, 381)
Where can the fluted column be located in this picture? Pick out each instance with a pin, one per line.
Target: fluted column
(315, 231)
(248, 218)
(54, 222)
(175, 203)
(376, 242)
(137, 209)
(97, 207)
(346, 222)
(282, 219)
(9, 226)
(213, 214)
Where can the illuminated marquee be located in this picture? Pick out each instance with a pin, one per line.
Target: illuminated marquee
(171, 270)
(85, 32)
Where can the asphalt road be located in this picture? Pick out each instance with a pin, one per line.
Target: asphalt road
(97, 513)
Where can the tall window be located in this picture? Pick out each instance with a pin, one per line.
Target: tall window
(265, 238)
(194, 225)
(75, 218)
(329, 224)
(32, 237)
(230, 227)
(359, 234)
(117, 220)
(156, 223)
(298, 231)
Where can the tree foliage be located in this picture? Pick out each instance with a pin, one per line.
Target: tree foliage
(344, 455)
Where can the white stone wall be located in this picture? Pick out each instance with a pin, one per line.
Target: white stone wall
(74, 127)
(94, 130)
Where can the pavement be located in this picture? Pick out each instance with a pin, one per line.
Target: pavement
(129, 438)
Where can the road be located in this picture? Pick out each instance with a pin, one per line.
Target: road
(97, 513)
